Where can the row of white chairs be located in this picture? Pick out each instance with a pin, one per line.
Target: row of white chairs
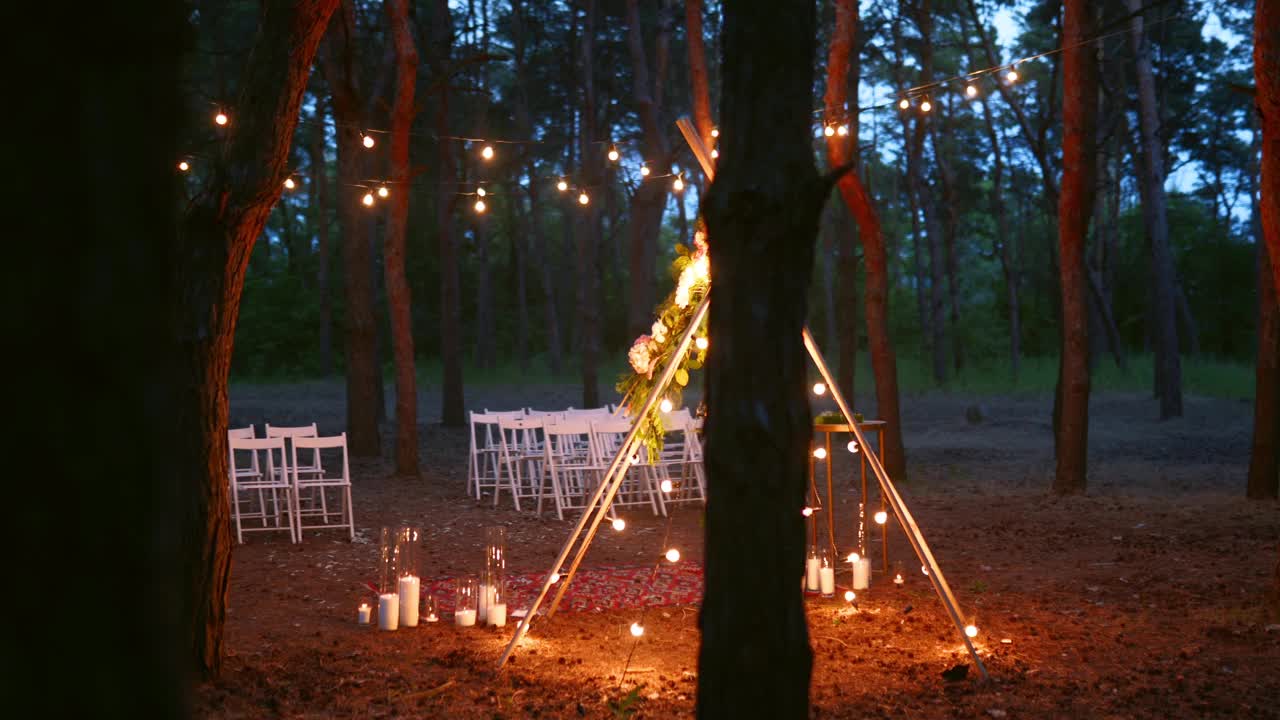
(282, 482)
(562, 455)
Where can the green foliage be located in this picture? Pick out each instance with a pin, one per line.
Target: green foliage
(628, 704)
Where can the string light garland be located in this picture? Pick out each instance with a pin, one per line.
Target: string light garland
(289, 184)
(367, 140)
(562, 185)
(644, 170)
(584, 198)
(673, 555)
(665, 406)
(701, 343)
(487, 152)
(678, 184)
(820, 453)
(221, 118)
(184, 166)
(384, 192)
(613, 154)
(819, 388)
(619, 524)
(367, 199)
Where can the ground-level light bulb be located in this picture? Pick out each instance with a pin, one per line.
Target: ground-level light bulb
(849, 596)
(367, 141)
(971, 631)
(926, 106)
(819, 388)
(701, 343)
(480, 206)
(555, 578)
(619, 524)
(853, 446)
(714, 153)
(636, 629)
(715, 132)
(613, 154)
(184, 166)
(383, 192)
(634, 459)
(924, 569)
(971, 90)
(673, 555)
(644, 170)
(221, 118)
(367, 200)
(562, 186)
(882, 517)
(904, 103)
(666, 486)
(289, 184)
(820, 453)
(583, 199)
(487, 152)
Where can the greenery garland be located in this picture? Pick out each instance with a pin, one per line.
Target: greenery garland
(691, 272)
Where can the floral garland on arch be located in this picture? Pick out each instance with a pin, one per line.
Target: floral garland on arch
(692, 272)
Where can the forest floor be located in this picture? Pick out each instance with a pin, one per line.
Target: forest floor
(1141, 599)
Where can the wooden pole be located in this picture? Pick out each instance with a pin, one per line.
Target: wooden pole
(899, 508)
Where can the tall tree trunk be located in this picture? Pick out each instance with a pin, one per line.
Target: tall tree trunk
(486, 357)
(1266, 72)
(950, 219)
(320, 195)
(1264, 458)
(586, 223)
(762, 214)
(884, 362)
(650, 198)
(1079, 110)
(398, 298)
(699, 87)
(847, 305)
(1156, 222)
(520, 263)
(340, 66)
(1006, 242)
(452, 412)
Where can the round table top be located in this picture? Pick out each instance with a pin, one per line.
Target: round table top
(844, 427)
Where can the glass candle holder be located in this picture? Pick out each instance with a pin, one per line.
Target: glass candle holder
(430, 613)
(826, 573)
(899, 577)
(497, 616)
(388, 581)
(495, 567)
(408, 581)
(466, 601)
(812, 567)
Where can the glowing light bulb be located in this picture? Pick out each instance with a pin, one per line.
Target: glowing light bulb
(383, 192)
(666, 486)
(221, 118)
(854, 557)
(619, 524)
(289, 184)
(678, 185)
(926, 106)
(715, 132)
(849, 596)
(971, 90)
(673, 555)
(924, 569)
(562, 186)
(1011, 76)
(971, 631)
(904, 103)
(820, 453)
(665, 405)
(714, 153)
(480, 206)
(481, 192)
(184, 166)
(367, 141)
(882, 517)
(583, 199)
(819, 388)
(701, 343)
(613, 154)
(636, 629)
(807, 512)
(828, 131)
(634, 459)
(367, 200)
(555, 578)
(487, 152)
(853, 446)
(644, 170)
(842, 130)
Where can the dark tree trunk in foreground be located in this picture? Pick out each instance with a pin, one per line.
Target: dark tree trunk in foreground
(103, 378)
(1264, 458)
(364, 399)
(1156, 221)
(762, 213)
(1075, 205)
(884, 362)
(398, 299)
(1266, 73)
(1264, 477)
(586, 221)
(452, 412)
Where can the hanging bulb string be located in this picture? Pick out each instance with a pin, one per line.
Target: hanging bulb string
(648, 589)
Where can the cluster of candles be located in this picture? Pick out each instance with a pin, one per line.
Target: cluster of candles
(399, 584)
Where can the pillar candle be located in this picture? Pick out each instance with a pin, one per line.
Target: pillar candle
(363, 614)
(486, 593)
(388, 611)
(498, 614)
(827, 577)
(409, 586)
(862, 574)
(811, 574)
(465, 618)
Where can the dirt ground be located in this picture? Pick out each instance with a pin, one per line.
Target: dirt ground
(1139, 600)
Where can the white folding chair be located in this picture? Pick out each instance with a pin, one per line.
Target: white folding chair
(272, 484)
(310, 462)
(321, 482)
(639, 484)
(572, 467)
(519, 455)
(244, 433)
(482, 458)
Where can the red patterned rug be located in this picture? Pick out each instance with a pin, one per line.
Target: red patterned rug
(598, 588)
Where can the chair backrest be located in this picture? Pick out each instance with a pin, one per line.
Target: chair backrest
(316, 444)
(241, 433)
(567, 437)
(273, 448)
(300, 431)
(600, 412)
(504, 414)
(332, 441)
(607, 435)
(676, 419)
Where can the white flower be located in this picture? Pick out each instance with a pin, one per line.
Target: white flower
(682, 295)
(659, 331)
(639, 356)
